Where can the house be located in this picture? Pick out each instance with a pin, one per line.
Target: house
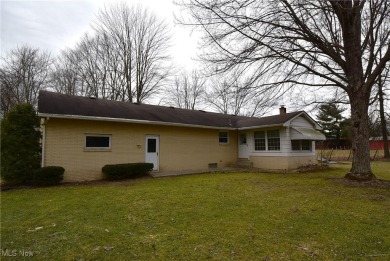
(82, 134)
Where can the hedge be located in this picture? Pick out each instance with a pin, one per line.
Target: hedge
(49, 175)
(126, 171)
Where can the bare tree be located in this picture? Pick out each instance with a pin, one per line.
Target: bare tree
(65, 78)
(24, 71)
(235, 93)
(186, 92)
(328, 44)
(140, 42)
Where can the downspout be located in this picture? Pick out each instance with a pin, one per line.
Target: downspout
(43, 126)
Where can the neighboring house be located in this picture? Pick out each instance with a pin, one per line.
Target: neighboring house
(83, 134)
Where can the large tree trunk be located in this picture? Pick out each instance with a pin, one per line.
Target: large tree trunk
(361, 167)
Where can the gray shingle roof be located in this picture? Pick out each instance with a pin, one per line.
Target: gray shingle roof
(56, 104)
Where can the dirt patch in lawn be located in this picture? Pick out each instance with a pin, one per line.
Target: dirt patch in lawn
(375, 183)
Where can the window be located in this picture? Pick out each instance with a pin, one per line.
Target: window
(259, 140)
(300, 145)
(223, 137)
(273, 140)
(243, 139)
(267, 140)
(152, 145)
(97, 141)
(296, 145)
(306, 145)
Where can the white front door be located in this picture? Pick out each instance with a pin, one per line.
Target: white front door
(152, 151)
(243, 146)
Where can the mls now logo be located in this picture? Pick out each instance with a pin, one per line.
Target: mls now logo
(14, 252)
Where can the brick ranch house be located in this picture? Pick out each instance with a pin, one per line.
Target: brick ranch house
(83, 134)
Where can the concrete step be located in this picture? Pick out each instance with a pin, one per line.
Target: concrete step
(244, 163)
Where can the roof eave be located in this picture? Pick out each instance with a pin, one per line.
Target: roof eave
(260, 127)
(96, 118)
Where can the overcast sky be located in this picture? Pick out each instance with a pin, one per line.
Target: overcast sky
(54, 25)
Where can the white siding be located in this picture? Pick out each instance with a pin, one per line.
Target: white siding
(301, 122)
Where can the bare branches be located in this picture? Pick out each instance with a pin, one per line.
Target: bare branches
(23, 73)
(310, 35)
(187, 91)
(125, 59)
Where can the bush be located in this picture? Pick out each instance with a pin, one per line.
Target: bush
(20, 153)
(50, 175)
(126, 171)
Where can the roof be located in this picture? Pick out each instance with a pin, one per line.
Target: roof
(51, 104)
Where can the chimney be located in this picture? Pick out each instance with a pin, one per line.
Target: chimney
(282, 110)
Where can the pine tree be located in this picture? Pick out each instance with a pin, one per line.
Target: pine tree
(20, 153)
(332, 122)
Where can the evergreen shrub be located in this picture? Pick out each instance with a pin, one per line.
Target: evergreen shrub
(50, 175)
(126, 171)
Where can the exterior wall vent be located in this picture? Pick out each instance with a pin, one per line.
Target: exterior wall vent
(213, 165)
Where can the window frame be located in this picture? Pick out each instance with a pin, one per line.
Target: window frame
(266, 141)
(109, 136)
(227, 137)
(271, 139)
(262, 139)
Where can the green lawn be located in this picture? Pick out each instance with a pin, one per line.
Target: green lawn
(237, 216)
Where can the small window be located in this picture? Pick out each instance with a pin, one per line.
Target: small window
(223, 137)
(259, 137)
(273, 140)
(97, 141)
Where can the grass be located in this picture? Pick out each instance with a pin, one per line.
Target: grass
(237, 216)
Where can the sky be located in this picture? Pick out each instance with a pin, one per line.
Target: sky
(53, 25)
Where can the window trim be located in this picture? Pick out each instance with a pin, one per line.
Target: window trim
(227, 137)
(109, 136)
